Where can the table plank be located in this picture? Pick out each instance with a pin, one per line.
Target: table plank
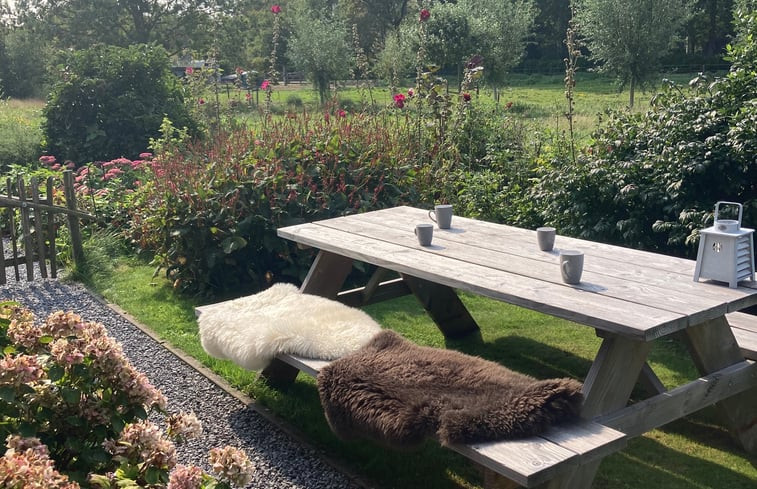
(575, 304)
(620, 262)
(531, 264)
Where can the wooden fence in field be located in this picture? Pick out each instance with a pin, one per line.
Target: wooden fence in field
(28, 225)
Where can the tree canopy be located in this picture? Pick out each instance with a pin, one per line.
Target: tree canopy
(628, 39)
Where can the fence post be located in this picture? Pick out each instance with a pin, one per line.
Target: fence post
(26, 228)
(12, 224)
(51, 232)
(73, 221)
(38, 227)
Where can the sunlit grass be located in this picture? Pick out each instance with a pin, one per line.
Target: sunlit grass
(692, 452)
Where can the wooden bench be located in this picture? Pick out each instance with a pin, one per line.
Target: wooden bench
(527, 462)
(744, 327)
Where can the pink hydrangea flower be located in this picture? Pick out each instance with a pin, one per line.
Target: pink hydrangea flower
(183, 426)
(232, 464)
(186, 477)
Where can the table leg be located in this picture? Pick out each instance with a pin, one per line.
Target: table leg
(713, 347)
(325, 278)
(607, 388)
(444, 307)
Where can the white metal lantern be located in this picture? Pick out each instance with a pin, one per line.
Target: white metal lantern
(726, 250)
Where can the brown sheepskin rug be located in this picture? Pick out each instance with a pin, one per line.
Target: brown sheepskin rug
(398, 394)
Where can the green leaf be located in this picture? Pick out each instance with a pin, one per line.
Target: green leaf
(117, 422)
(70, 395)
(55, 373)
(46, 339)
(153, 475)
(9, 350)
(27, 430)
(74, 421)
(7, 393)
(233, 243)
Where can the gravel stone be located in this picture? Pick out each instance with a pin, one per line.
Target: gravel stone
(281, 461)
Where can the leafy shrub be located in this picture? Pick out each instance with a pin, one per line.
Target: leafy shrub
(651, 180)
(210, 209)
(110, 101)
(74, 408)
(294, 101)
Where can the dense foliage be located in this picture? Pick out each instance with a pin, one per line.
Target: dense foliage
(108, 102)
(651, 180)
(210, 210)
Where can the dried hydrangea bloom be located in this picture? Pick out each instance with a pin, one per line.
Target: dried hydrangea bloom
(144, 442)
(63, 324)
(186, 477)
(183, 426)
(23, 332)
(26, 464)
(20, 369)
(232, 464)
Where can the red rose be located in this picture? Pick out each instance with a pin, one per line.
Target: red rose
(399, 100)
(425, 14)
(466, 96)
(275, 9)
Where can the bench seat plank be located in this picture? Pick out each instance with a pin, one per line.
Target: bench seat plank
(527, 461)
(744, 327)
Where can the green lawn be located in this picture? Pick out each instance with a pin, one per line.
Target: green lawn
(694, 452)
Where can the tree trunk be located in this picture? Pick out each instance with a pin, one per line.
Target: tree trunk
(631, 88)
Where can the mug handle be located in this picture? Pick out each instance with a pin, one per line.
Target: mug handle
(431, 215)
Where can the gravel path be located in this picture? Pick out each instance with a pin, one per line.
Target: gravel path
(281, 460)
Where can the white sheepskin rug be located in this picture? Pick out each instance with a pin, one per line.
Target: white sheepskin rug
(252, 330)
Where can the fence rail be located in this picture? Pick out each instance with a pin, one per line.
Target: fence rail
(29, 224)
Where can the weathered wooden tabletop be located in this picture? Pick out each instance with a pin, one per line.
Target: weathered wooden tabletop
(625, 291)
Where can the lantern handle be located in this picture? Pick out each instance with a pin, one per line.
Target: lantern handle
(741, 209)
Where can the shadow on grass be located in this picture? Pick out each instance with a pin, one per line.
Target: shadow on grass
(524, 355)
(428, 467)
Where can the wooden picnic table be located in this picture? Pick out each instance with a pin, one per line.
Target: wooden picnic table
(632, 298)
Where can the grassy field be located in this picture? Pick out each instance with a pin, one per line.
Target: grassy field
(20, 133)
(691, 453)
(536, 99)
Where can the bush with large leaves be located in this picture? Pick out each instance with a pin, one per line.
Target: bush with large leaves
(109, 102)
(651, 180)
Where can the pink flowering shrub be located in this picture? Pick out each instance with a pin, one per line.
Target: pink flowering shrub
(211, 209)
(26, 463)
(106, 188)
(74, 408)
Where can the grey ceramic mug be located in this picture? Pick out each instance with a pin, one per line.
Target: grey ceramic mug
(424, 232)
(545, 236)
(571, 266)
(442, 215)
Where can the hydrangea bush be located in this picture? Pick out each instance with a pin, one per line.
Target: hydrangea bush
(74, 410)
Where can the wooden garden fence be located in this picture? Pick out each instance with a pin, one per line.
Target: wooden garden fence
(28, 225)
